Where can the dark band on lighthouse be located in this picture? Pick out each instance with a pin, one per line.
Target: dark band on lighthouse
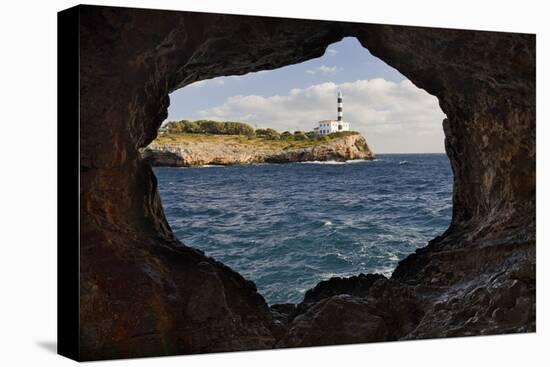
(340, 107)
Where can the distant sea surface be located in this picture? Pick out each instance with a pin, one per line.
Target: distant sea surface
(289, 226)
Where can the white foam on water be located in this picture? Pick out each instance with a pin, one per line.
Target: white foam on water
(210, 165)
(385, 271)
(322, 162)
(393, 257)
(328, 275)
(327, 223)
(351, 161)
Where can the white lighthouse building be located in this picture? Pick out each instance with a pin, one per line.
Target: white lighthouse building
(332, 126)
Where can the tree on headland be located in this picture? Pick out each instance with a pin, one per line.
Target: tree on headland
(299, 135)
(240, 128)
(286, 135)
(311, 135)
(268, 133)
(209, 127)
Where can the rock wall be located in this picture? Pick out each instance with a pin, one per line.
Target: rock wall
(144, 293)
(207, 152)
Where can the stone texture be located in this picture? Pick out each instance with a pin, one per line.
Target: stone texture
(356, 286)
(201, 153)
(144, 293)
(336, 320)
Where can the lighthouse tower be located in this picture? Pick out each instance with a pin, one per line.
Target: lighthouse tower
(333, 126)
(340, 107)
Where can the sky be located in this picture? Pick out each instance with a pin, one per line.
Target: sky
(392, 113)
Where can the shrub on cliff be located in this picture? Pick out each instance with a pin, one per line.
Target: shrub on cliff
(175, 127)
(323, 138)
(209, 127)
(236, 128)
(286, 135)
(299, 135)
(341, 134)
(268, 133)
(241, 128)
(191, 127)
(311, 135)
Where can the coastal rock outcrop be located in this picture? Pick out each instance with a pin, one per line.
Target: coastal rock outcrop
(201, 153)
(386, 312)
(142, 292)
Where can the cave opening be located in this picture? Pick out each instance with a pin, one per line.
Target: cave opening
(138, 283)
(288, 227)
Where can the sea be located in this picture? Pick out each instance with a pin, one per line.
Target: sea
(288, 226)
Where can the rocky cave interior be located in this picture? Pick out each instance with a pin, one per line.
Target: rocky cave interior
(143, 293)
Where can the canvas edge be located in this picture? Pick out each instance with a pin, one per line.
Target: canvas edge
(68, 183)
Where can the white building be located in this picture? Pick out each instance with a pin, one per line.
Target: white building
(332, 126)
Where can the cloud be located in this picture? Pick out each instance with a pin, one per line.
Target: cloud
(322, 69)
(395, 117)
(331, 52)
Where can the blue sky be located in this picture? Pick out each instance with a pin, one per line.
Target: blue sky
(379, 102)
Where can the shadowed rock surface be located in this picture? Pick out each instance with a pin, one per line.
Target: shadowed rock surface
(144, 293)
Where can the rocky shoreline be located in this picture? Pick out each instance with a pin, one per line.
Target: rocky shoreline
(198, 153)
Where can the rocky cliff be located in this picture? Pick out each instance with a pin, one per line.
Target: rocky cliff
(196, 153)
(144, 293)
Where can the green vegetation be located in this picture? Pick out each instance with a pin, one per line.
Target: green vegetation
(268, 133)
(286, 135)
(209, 127)
(341, 134)
(227, 132)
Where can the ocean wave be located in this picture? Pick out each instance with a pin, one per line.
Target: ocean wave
(287, 227)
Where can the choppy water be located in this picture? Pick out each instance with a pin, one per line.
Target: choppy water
(289, 226)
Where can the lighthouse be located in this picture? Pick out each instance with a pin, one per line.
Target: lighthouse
(340, 107)
(332, 126)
